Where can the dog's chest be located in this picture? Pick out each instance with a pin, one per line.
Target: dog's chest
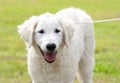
(58, 72)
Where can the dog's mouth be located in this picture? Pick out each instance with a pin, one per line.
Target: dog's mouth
(48, 56)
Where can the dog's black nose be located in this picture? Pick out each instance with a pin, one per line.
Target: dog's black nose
(51, 47)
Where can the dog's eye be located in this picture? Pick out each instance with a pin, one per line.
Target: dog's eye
(57, 31)
(41, 31)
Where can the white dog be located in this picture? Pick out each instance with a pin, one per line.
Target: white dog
(59, 47)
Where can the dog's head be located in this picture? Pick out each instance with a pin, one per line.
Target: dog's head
(46, 33)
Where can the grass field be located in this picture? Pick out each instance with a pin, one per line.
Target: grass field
(13, 63)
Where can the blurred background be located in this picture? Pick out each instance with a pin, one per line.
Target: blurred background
(13, 62)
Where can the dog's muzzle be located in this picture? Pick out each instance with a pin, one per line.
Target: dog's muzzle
(50, 55)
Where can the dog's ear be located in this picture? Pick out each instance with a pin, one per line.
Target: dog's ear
(26, 30)
(68, 31)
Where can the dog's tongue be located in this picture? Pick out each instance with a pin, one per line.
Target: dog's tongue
(50, 57)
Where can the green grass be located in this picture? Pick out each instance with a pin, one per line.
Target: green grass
(13, 62)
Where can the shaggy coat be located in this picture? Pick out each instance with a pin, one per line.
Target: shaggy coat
(58, 47)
